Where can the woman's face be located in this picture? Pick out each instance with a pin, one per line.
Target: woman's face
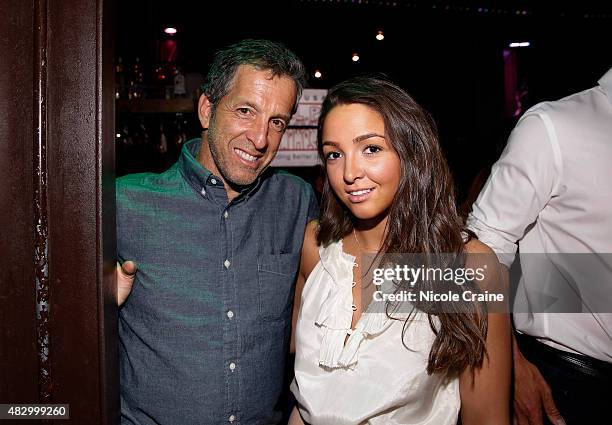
(362, 167)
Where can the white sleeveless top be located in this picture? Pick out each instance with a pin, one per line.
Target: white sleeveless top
(374, 378)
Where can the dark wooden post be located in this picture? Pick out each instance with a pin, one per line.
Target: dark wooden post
(58, 315)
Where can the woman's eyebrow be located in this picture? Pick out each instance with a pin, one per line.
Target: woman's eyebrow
(355, 140)
(366, 136)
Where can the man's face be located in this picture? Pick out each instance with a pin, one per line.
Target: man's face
(246, 127)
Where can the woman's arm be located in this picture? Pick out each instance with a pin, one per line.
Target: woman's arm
(295, 418)
(308, 260)
(485, 392)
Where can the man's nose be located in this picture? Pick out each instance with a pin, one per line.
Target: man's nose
(258, 134)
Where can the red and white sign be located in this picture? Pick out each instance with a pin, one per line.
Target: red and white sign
(299, 145)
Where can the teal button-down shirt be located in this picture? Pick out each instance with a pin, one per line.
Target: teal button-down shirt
(204, 333)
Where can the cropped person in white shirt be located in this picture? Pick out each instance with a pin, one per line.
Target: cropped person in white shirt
(388, 190)
(549, 194)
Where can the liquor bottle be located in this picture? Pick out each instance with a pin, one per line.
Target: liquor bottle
(120, 86)
(170, 73)
(136, 90)
(179, 83)
(160, 81)
(162, 145)
(179, 126)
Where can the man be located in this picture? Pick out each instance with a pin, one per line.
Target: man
(217, 239)
(550, 193)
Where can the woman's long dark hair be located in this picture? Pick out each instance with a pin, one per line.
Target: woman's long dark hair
(423, 218)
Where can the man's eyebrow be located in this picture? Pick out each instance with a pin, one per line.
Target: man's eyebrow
(249, 104)
(283, 117)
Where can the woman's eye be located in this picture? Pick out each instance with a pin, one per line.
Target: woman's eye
(372, 149)
(332, 155)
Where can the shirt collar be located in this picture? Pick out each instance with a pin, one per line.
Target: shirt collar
(606, 84)
(198, 176)
(190, 168)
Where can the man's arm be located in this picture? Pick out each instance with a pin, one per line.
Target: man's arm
(531, 392)
(125, 274)
(521, 184)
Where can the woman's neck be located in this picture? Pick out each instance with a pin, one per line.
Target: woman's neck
(370, 234)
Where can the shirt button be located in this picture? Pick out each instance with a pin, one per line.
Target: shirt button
(231, 419)
(203, 192)
(225, 214)
(226, 263)
(230, 314)
(232, 366)
(213, 181)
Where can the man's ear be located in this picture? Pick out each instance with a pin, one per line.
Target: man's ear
(204, 111)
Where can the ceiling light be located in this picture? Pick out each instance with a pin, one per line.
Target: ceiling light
(520, 44)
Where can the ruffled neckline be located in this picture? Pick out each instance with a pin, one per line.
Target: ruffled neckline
(336, 314)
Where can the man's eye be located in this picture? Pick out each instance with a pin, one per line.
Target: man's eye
(278, 124)
(243, 111)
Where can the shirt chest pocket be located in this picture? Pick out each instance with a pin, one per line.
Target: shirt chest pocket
(276, 274)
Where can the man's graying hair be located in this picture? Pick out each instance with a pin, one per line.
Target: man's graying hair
(263, 55)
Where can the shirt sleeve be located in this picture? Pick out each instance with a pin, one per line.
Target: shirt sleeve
(521, 183)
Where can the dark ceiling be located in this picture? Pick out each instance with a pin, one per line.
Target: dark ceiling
(432, 47)
(426, 42)
(449, 55)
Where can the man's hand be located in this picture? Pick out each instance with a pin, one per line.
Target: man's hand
(531, 393)
(125, 278)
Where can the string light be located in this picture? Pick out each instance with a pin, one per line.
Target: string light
(355, 57)
(318, 74)
(447, 7)
(380, 36)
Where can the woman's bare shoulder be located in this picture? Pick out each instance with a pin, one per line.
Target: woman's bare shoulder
(480, 256)
(474, 246)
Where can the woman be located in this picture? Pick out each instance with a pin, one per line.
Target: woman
(388, 190)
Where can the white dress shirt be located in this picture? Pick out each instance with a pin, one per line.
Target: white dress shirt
(551, 192)
(372, 378)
